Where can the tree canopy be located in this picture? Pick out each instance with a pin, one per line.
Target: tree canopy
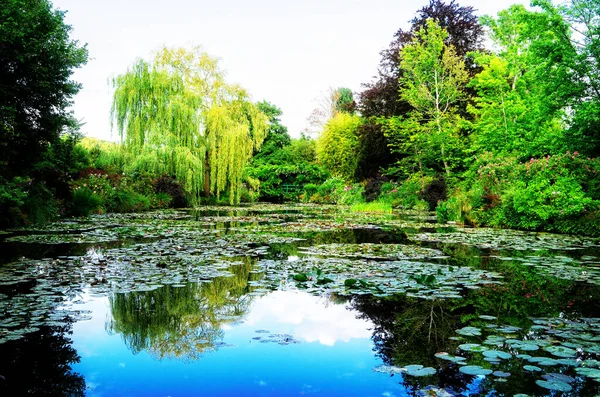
(36, 64)
(181, 117)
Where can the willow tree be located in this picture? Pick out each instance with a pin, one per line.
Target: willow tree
(177, 115)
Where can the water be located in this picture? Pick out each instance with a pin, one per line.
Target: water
(208, 303)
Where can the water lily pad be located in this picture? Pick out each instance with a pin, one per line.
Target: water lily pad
(497, 354)
(589, 372)
(554, 385)
(532, 368)
(474, 370)
(472, 347)
(561, 351)
(558, 377)
(418, 370)
(469, 331)
(451, 358)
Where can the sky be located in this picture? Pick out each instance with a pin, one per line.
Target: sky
(286, 52)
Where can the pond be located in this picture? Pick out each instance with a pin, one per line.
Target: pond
(274, 300)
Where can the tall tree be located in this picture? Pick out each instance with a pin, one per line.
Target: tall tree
(179, 115)
(337, 144)
(37, 58)
(433, 77)
(519, 107)
(380, 97)
(328, 105)
(572, 61)
(277, 136)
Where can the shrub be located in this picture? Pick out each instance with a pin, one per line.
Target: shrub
(170, 186)
(373, 206)
(128, 201)
(435, 191)
(85, 201)
(373, 187)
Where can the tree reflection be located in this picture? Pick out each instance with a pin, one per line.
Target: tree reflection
(39, 364)
(410, 331)
(182, 321)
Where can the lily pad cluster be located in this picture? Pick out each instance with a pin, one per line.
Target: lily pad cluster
(505, 239)
(381, 278)
(556, 352)
(373, 251)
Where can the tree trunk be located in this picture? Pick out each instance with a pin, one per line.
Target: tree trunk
(206, 176)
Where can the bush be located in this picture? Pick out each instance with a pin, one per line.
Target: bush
(373, 207)
(435, 191)
(128, 201)
(40, 204)
(280, 183)
(171, 187)
(373, 187)
(85, 201)
(553, 193)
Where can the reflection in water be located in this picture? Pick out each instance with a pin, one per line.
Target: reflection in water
(308, 318)
(181, 321)
(39, 364)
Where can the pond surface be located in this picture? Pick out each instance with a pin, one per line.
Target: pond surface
(271, 300)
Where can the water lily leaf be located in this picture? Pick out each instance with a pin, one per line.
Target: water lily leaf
(558, 377)
(488, 318)
(554, 385)
(418, 370)
(589, 372)
(469, 331)
(561, 351)
(351, 282)
(497, 354)
(532, 368)
(325, 280)
(472, 347)
(501, 374)
(451, 358)
(302, 277)
(474, 370)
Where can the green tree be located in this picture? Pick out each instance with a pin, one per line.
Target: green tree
(338, 143)
(519, 107)
(277, 136)
(180, 117)
(572, 66)
(36, 63)
(433, 81)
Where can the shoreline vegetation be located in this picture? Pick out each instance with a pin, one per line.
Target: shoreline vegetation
(504, 137)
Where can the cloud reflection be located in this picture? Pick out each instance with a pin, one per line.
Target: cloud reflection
(307, 317)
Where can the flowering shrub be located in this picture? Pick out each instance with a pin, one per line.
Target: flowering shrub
(553, 193)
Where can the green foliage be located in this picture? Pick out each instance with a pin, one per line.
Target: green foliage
(516, 108)
(178, 116)
(433, 83)
(380, 207)
(344, 100)
(277, 136)
(408, 194)
(41, 205)
(285, 182)
(85, 201)
(554, 193)
(36, 63)
(169, 186)
(334, 191)
(337, 145)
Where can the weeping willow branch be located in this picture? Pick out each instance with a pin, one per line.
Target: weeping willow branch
(177, 115)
